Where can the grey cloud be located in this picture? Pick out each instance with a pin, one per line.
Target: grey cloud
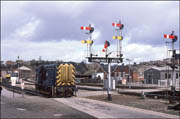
(57, 23)
(159, 20)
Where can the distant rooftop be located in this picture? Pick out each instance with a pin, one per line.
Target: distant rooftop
(160, 68)
(24, 68)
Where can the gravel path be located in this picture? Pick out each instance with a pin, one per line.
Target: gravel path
(157, 105)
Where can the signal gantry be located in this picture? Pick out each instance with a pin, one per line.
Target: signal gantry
(105, 56)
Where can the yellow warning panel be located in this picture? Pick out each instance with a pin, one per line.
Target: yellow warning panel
(65, 75)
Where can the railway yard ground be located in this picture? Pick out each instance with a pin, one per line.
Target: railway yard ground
(157, 105)
(87, 104)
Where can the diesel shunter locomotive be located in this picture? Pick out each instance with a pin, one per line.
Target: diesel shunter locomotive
(56, 80)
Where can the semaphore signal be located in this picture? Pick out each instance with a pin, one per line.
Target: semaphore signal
(90, 41)
(107, 57)
(88, 28)
(172, 64)
(106, 45)
(85, 28)
(171, 36)
(121, 26)
(119, 37)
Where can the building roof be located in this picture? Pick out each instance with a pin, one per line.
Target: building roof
(24, 68)
(160, 68)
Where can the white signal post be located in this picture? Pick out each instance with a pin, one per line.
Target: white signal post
(109, 82)
(173, 73)
(22, 87)
(13, 83)
(173, 87)
(90, 41)
(90, 37)
(119, 37)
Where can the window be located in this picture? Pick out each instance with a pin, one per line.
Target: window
(169, 75)
(176, 75)
(115, 74)
(123, 75)
(165, 75)
(14, 75)
(119, 74)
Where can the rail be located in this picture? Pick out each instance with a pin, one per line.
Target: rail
(18, 89)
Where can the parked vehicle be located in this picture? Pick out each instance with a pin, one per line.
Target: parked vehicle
(14, 76)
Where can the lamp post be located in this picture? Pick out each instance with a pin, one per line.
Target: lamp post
(129, 60)
(18, 67)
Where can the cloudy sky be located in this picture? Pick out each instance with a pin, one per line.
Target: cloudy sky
(52, 29)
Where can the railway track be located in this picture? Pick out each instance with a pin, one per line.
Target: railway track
(19, 90)
(30, 81)
(119, 86)
(164, 94)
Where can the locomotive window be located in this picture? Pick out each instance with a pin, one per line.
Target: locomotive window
(14, 75)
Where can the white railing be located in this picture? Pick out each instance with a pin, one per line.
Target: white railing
(167, 83)
(162, 83)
